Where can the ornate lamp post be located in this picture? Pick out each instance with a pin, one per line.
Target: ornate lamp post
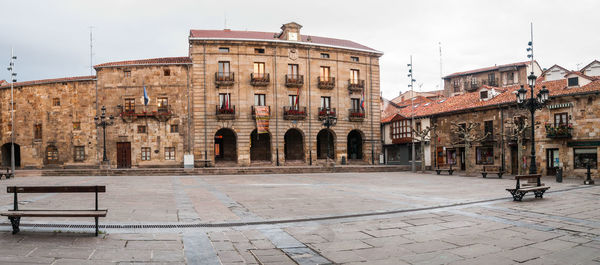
(104, 121)
(328, 122)
(13, 77)
(532, 103)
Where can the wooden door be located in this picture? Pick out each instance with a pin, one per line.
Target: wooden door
(551, 161)
(440, 156)
(124, 155)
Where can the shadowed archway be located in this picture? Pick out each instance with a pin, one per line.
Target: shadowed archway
(325, 137)
(293, 145)
(260, 146)
(225, 145)
(355, 145)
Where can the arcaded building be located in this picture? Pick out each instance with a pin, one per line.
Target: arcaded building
(203, 108)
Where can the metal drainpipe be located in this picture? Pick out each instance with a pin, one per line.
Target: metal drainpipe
(371, 108)
(502, 140)
(97, 133)
(205, 125)
(189, 112)
(309, 105)
(276, 120)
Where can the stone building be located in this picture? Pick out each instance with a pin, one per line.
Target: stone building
(495, 76)
(202, 107)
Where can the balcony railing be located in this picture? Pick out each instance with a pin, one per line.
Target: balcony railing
(259, 79)
(326, 82)
(224, 79)
(355, 85)
(254, 112)
(491, 82)
(162, 113)
(559, 131)
(323, 113)
(224, 113)
(294, 113)
(473, 85)
(356, 114)
(294, 80)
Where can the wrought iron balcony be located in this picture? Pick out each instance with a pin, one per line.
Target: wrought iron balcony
(254, 112)
(326, 82)
(559, 131)
(473, 85)
(132, 113)
(491, 82)
(294, 113)
(356, 85)
(323, 113)
(224, 113)
(259, 79)
(356, 115)
(294, 80)
(224, 79)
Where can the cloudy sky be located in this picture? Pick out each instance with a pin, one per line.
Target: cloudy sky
(51, 38)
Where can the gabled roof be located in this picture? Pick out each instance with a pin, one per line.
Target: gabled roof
(388, 110)
(153, 61)
(588, 65)
(591, 78)
(50, 81)
(556, 65)
(486, 69)
(227, 34)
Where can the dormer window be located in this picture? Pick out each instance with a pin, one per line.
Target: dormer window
(483, 95)
(573, 81)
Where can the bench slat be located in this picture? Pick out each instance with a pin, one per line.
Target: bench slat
(534, 188)
(57, 213)
(535, 176)
(55, 189)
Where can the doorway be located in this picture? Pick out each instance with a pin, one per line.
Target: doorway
(354, 146)
(225, 145)
(463, 158)
(6, 155)
(123, 155)
(552, 161)
(293, 145)
(260, 146)
(325, 144)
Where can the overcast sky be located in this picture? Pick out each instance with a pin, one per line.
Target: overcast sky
(51, 38)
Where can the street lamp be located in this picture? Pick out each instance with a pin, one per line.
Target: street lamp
(412, 116)
(532, 103)
(13, 77)
(103, 121)
(328, 122)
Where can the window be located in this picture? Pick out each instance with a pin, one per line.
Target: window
(51, 154)
(484, 155)
(354, 76)
(573, 81)
(169, 153)
(126, 73)
(141, 128)
(325, 55)
(79, 153)
(401, 129)
(224, 101)
(224, 69)
(259, 50)
(492, 79)
(355, 103)
(489, 128)
(259, 70)
(293, 101)
(56, 102)
(326, 102)
(223, 49)
(354, 58)
(76, 126)
(561, 119)
(293, 71)
(583, 156)
(37, 132)
(418, 126)
(167, 72)
(510, 78)
(146, 152)
(129, 105)
(174, 128)
(259, 100)
(162, 103)
(483, 94)
(325, 73)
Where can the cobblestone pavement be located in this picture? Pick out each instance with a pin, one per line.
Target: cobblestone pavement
(345, 218)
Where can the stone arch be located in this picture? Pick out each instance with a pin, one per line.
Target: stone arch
(293, 147)
(354, 146)
(260, 146)
(6, 155)
(325, 138)
(225, 146)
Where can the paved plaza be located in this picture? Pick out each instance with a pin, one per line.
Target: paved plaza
(339, 218)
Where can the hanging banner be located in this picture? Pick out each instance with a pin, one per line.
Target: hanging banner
(262, 119)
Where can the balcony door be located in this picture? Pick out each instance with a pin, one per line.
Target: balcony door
(293, 71)
(224, 69)
(561, 119)
(325, 73)
(354, 76)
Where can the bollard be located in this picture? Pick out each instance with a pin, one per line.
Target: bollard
(559, 174)
(589, 180)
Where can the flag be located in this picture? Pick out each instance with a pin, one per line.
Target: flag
(227, 101)
(297, 97)
(146, 98)
(362, 100)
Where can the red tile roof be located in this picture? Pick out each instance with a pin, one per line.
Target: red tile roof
(153, 61)
(417, 100)
(2, 82)
(591, 78)
(50, 81)
(271, 36)
(485, 69)
(388, 110)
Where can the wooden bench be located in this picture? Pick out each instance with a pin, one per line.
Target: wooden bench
(441, 168)
(15, 215)
(535, 186)
(6, 173)
(492, 170)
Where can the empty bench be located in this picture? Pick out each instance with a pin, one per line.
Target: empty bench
(534, 185)
(441, 168)
(492, 170)
(15, 215)
(6, 173)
